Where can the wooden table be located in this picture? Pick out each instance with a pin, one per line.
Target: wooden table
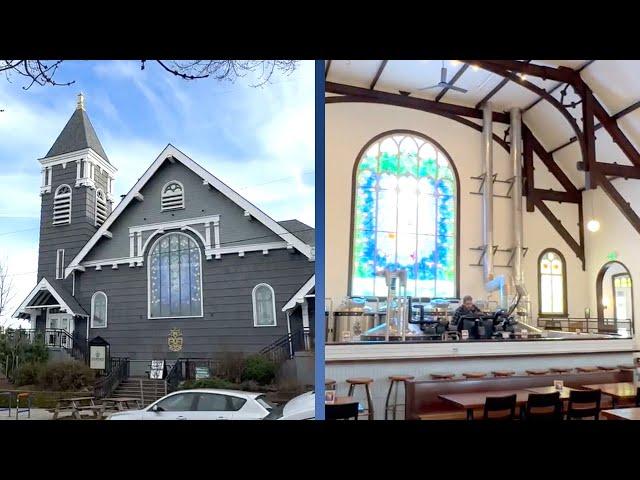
(76, 406)
(564, 394)
(617, 391)
(472, 400)
(622, 414)
(121, 403)
(343, 401)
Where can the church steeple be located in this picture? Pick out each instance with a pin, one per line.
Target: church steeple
(77, 192)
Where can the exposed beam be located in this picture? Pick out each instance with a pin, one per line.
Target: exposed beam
(619, 201)
(326, 68)
(376, 96)
(625, 111)
(581, 227)
(559, 74)
(495, 90)
(455, 78)
(378, 73)
(529, 175)
(614, 170)
(498, 69)
(589, 138)
(553, 167)
(611, 126)
(538, 100)
(562, 231)
(556, 196)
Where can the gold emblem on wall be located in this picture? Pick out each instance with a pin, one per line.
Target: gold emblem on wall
(175, 340)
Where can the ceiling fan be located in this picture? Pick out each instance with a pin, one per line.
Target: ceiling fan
(443, 82)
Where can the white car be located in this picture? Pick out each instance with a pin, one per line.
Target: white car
(202, 404)
(302, 407)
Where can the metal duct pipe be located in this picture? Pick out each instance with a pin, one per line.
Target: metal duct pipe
(516, 162)
(487, 191)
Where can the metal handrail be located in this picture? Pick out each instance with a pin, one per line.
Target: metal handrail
(285, 347)
(174, 377)
(106, 385)
(586, 325)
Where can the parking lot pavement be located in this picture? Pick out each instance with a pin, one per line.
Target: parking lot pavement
(36, 414)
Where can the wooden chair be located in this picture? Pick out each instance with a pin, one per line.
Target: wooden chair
(583, 404)
(543, 406)
(343, 411)
(500, 408)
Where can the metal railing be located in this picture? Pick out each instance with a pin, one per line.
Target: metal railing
(175, 376)
(54, 338)
(107, 384)
(607, 326)
(285, 347)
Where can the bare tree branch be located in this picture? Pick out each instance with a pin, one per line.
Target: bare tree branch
(6, 289)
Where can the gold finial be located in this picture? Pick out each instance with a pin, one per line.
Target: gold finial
(80, 105)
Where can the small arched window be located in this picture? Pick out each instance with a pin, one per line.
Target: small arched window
(62, 205)
(175, 281)
(552, 283)
(172, 196)
(264, 306)
(101, 207)
(99, 310)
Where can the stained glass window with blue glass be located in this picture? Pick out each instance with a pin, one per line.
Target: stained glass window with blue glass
(175, 277)
(404, 216)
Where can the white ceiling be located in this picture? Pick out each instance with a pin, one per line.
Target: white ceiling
(613, 82)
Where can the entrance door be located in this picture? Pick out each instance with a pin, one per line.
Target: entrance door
(622, 295)
(57, 325)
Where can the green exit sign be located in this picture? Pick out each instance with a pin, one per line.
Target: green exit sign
(612, 256)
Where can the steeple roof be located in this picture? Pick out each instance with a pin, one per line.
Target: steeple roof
(77, 134)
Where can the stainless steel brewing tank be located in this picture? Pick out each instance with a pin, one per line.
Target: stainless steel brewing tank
(349, 325)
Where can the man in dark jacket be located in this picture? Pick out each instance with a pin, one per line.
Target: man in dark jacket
(467, 308)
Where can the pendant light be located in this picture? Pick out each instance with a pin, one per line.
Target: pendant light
(593, 225)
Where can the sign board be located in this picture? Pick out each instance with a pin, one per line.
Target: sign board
(202, 372)
(612, 256)
(157, 369)
(97, 357)
(465, 334)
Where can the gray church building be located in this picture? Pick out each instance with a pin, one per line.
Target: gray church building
(182, 267)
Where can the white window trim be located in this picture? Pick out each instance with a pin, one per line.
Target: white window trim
(56, 197)
(153, 245)
(106, 308)
(59, 264)
(175, 207)
(273, 305)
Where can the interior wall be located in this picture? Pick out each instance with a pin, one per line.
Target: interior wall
(616, 236)
(349, 126)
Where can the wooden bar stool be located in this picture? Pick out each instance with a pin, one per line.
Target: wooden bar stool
(503, 373)
(537, 371)
(329, 384)
(587, 369)
(442, 376)
(353, 382)
(560, 369)
(471, 375)
(395, 380)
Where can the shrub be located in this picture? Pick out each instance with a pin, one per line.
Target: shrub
(65, 375)
(209, 383)
(259, 369)
(230, 366)
(27, 374)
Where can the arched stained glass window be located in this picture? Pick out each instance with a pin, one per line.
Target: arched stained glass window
(404, 217)
(552, 283)
(175, 285)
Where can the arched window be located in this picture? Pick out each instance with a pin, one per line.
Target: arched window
(552, 283)
(404, 216)
(175, 278)
(264, 306)
(99, 310)
(62, 205)
(101, 207)
(172, 196)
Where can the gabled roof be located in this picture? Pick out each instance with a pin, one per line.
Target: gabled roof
(243, 203)
(300, 294)
(60, 295)
(77, 134)
(301, 230)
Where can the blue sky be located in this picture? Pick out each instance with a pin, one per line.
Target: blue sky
(258, 140)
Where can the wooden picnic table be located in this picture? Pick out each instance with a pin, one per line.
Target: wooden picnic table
(617, 391)
(76, 406)
(622, 414)
(121, 403)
